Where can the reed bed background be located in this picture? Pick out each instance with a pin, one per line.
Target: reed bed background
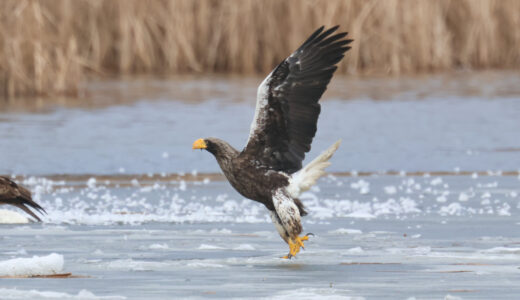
(51, 47)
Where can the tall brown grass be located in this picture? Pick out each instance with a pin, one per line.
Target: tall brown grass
(51, 46)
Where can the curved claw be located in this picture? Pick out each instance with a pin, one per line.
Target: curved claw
(310, 234)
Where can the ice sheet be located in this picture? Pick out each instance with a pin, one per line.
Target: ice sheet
(204, 241)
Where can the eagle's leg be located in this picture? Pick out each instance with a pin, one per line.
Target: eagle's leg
(295, 243)
(286, 218)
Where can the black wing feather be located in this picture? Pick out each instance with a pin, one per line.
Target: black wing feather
(284, 128)
(13, 194)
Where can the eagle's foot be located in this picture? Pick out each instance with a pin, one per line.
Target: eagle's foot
(295, 245)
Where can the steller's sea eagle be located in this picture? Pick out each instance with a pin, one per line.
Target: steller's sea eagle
(13, 194)
(269, 169)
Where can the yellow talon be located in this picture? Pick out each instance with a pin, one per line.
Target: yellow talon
(295, 245)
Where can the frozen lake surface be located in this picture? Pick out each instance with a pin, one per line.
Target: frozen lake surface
(376, 237)
(423, 201)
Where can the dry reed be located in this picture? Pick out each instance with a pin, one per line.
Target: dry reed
(48, 47)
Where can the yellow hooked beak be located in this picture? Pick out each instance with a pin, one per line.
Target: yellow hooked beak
(199, 144)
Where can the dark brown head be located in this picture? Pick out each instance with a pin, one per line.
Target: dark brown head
(217, 147)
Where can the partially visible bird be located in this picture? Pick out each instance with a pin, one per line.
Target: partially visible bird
(269, 169)
(13, 194)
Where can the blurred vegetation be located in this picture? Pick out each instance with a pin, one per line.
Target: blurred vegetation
(50, 47)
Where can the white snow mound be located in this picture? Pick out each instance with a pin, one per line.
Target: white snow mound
(37, 265)
(12, 217)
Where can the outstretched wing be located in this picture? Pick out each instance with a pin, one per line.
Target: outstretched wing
(287, 107)
(13, 194)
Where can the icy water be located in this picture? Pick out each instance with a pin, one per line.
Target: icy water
(422, 202)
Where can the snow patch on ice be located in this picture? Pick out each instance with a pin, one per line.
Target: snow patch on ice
(244, 247)
(12, 217)
(135, 265)
(315, 293)
(451, 209)
(345, 231)
(355, 250)
(423, 250)
(328, 208)
(37, 265)
(390, 189)
(361, 185)
(504, 210)
(205, 265)
(158, 247)
(209, 247)
(442, 199)
(450, 297)
(503, 250)
(223, 231)
(91, 183)
(463, 197)
(436, 181)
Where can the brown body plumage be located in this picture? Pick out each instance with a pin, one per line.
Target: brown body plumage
(241, 171)
(16, 195)
(269, 169)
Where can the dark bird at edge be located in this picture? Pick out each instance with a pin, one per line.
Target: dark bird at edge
(16, 195)
(269, 169)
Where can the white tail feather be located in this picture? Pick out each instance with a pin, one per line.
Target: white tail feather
(302, 180)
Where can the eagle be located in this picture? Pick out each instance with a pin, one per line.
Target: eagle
(13, 194)
(269, 169)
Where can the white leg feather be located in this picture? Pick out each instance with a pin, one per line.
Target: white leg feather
(302, 180)
(279, 227)
(287, 220)
(288, 223)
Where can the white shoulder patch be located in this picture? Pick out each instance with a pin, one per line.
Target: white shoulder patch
(261, 102)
